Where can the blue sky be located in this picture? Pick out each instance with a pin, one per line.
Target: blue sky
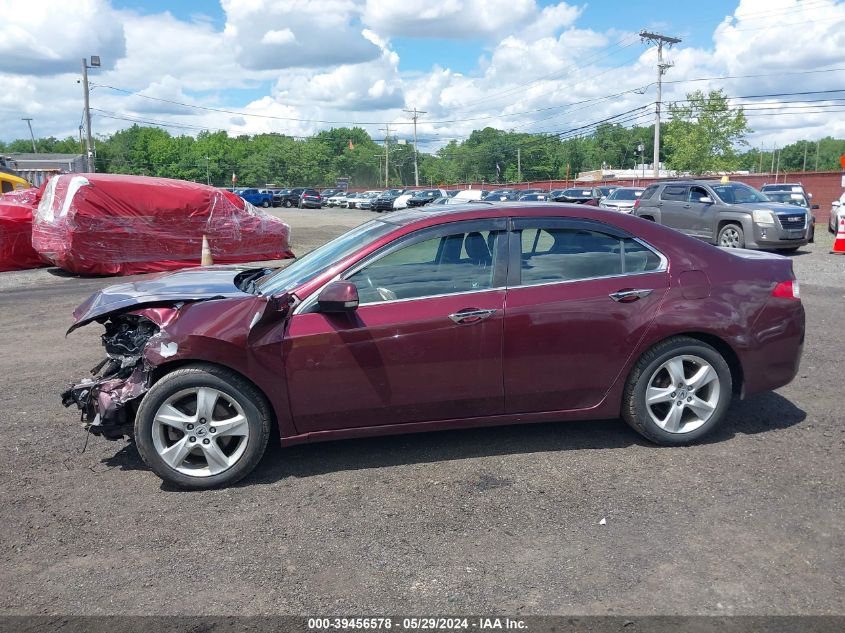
(300, 66)
(693, 21)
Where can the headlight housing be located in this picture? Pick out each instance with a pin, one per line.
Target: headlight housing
(763, 216)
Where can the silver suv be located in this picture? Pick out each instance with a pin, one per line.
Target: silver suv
(726, 214)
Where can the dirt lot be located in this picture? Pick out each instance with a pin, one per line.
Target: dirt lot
(494, 520)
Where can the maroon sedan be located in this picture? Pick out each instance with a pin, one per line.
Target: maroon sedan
(466, 316)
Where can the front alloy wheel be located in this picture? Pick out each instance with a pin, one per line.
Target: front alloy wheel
(731, 236)
(200, 431)
(202, 426)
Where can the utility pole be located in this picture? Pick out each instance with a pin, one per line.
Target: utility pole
(818, 143)
(660, 40)
(31, 135)
(207, 176)
(416, 168)
(386, 130)
(772, 168)
(804, 168)
(760, 168)
(519, 164)
(89, 143)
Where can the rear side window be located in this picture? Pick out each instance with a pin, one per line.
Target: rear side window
(562, 254)
(674, 192)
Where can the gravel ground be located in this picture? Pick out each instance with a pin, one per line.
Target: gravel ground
(491, 520)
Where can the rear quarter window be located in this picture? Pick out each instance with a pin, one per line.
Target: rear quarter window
(649, 192)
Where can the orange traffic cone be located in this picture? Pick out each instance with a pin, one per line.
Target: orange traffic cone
(839, 242)
(205, 255)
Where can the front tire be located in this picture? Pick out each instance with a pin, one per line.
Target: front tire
(202, 427)
(731, 236)
(288, 204)
(678, 391)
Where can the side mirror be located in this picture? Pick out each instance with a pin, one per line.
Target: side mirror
(705, 200)
(835, 204)
(338, 296)
(814, 207)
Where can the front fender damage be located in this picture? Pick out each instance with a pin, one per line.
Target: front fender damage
(108, 401)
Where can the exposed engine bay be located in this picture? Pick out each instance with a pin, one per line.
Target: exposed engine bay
(108, 400)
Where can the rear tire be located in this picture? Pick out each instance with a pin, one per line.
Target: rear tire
(194, 452)
(731, 236)
(677, 392)
(265, 204)
(288, 204)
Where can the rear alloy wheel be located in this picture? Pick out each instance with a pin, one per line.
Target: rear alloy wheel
(202, 427)
(265, 203)
(731, 236)
(288, 204)
(677, 392)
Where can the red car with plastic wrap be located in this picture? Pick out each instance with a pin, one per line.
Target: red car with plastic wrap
(464, 316)
(107, 224)
(17, 209)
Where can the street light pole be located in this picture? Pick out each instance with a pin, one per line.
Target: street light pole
(660, 40)
(31, 135)
(89, 142)
(416, 113)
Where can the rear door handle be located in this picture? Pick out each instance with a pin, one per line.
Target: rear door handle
(471, 315)
(629, 296)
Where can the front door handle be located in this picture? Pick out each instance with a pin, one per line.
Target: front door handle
(471, 315)
(629, 296)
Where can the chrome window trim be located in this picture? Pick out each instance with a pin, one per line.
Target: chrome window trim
(388, 250)
(312, 299)
(575, 281)
(661, 268)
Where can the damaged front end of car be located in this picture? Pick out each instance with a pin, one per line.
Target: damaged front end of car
(109, 399)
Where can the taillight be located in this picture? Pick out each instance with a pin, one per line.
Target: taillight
(637, 203)
(787, 290)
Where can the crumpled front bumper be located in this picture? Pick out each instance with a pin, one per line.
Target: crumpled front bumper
(108, 405)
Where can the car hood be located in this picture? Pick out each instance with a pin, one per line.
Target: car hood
(192, 284)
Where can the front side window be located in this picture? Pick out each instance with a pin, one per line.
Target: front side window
(697, 193)
(461, 262)
(568, 254)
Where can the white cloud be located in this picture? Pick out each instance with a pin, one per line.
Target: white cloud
(270, 35)
(45, 38)
(281, 37)
(463, 18)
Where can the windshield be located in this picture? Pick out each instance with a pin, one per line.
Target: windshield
(625, 194)
(312, 264)
(736, 193)
(786, 197)
(576, 193)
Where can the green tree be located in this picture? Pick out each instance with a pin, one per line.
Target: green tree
(703, 132)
